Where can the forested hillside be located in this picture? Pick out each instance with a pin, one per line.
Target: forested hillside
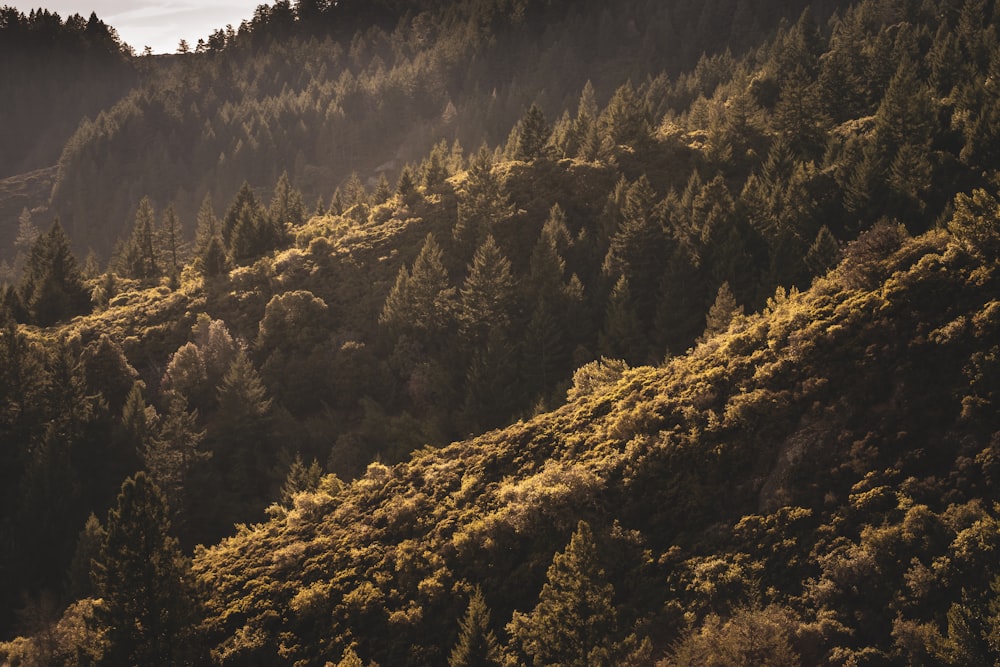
(728, 304)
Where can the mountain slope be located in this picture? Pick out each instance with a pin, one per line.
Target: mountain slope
(850, 426)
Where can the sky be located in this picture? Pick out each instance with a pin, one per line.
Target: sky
(160, 25)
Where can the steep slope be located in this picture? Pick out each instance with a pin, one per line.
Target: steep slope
(821, 456)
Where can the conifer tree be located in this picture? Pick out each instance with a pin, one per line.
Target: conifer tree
(173, 450)
(149, 610)
(241, 443)
(580, 137)
(382, 190)
(477, 645)
(535, 132)
(622, 336)
(574, 623)
(79, 583)
(422, 299)
(300, 478)
(213, 260)
(245, 204)
(624, 119)
(638, 248)
(488, 293)
(824, 252)
(483, 205)
(139, 258)
(27, 233)
(207, 226)
(172, 242)
(286, 203)
(722, 312)
(52, 287)
(434, 171)
(405, 187)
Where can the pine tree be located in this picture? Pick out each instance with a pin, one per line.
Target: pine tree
(622, 336)
(534, 134)
(487, 295)
(148, 609)
(52, 287)
(382, 190)
(213, 260)
(422, 300)
(173, 450)
(286, 204)
(245, 204)
(624, 119)
(172, 242)
(824, 252)
(574, 623)
(477, 645)
(722, 312)
(139, 258)
(638, 249)
(241, 443)
(79, 583)
(207, 227)
(300, 478)
(406, 188)
(482, 206)
(27, 234)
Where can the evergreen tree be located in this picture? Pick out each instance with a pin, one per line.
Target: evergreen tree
(244, 205)
(422, 300)
(433, 169)
(638, 248)
(623, 335)
(52, 287)
(286, 204)
(173, 450)
(243, 454)
(534, 134)
(824, 252)
(477, 645)
(79, 583)
(300, 478)
(213, 260)
(207, 226)
(406, 188)
(149, 610)
(382, 190)
(574, 623)
(172, 243)
(722, 312)
(487, 297)
(139, 257)
(624, 119)
(27, 234)
(482, 206)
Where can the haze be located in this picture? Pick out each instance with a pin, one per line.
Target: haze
(159, 25)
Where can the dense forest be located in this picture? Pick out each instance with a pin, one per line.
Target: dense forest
(504, 332)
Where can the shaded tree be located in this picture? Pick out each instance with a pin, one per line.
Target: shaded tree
(477, 645)
(534, 134)
(139, 256)
(52, 287)
(149, 609)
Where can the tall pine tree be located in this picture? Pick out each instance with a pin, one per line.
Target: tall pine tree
(149, 608)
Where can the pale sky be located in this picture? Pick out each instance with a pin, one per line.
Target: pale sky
(161, 25)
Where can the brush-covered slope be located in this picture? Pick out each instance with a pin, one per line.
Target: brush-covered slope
(830, 462)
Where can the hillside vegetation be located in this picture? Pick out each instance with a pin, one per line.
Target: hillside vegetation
(713, 342)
